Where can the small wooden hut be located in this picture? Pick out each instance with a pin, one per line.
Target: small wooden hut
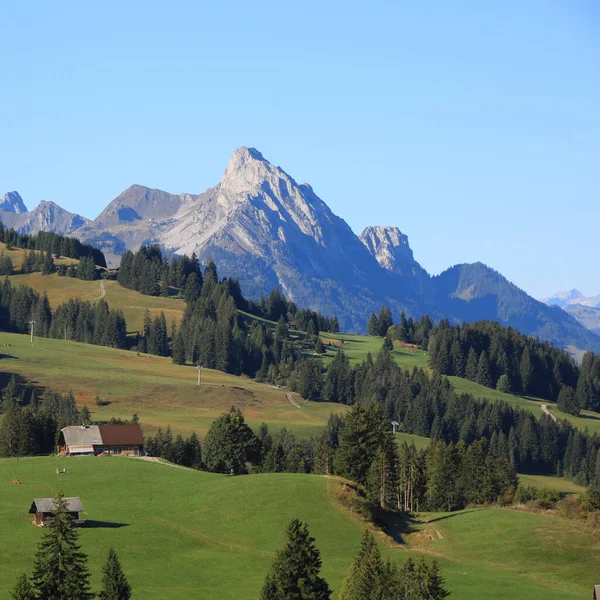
(597, 592)
(42, 509)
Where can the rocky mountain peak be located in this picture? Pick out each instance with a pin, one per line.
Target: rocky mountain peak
(13, 203)
(391, 249)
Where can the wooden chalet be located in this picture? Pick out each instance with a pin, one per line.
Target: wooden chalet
(81, 440)
(42, 509)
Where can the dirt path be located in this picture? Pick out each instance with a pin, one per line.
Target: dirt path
(102, 291)
(545, 409)
(155, 459)
(292, 401)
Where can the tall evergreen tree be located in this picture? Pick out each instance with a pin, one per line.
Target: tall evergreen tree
(294, 574)
(368, 576)
(114, 583)
(60, 569)
(484, 376)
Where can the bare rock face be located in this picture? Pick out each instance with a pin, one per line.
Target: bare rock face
(137, 216)
(12, 202)
(46, 216)
(390, 248)
(267, 230)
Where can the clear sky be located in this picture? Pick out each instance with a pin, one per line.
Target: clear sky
(472, 126)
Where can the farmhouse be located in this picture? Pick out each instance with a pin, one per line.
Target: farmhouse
(43, 508)
(597, 592)
(81, 440)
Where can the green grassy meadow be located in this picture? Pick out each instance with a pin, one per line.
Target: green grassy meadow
(187, 534)
(159, 391)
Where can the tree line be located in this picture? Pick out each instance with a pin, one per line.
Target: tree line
(54, 243)
(359, 447)
(502, 358)
(77, 320)
(30, 425)
(150, 272)
(408, 330)
(429, 406)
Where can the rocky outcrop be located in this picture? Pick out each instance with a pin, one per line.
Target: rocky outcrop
(12, 202)
(46, 216)
(389, 246)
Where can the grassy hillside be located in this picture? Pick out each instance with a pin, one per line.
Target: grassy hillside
(159, 391)
(17, 256)
(218, 534)
(132, 303)
(356, 347)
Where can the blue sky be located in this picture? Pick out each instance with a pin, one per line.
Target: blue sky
(472, 126)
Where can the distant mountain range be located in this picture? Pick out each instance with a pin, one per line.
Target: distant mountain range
(585, 309)
(267, 230)
(46, 216)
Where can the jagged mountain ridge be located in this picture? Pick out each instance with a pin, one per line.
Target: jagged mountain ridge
(572, 297)
(267, 230)
(46, 216)
(12, 203)
(389, 246)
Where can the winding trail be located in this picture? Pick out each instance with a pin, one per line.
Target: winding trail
(545, 410)
(155, 459)
(102, 291)
(292, 401)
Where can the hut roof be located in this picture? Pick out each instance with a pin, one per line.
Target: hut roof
(46, 505)
(121, 435)
(82, 435)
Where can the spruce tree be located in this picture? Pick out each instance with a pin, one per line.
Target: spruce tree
(373, 325)
(483, 371)
(368, 576)
(567, 402)
(23, 589)
(178, 349)
(471, 368)
(503, 384)
(114, 582)
(60, 568)
(294, 574)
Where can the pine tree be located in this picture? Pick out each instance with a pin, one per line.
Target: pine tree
(373, 325)
(178, 349)
(483, 371)
(567, 402)
(23, 589)
(384, 321)
(294, 574)
(471, 368)
(503, 384)
(114, 582)
(60, 569)
(367, 576)
(526, 372)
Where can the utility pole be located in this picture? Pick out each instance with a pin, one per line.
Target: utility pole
(199, 367)
(32, 323)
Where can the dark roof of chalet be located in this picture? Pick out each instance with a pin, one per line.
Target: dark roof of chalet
(46, 505)
(121, 435)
